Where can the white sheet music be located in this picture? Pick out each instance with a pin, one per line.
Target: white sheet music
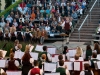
(72, 53)
(39, 48)
(51, 35)
(34, 55)
(14, 72)
(51, 73)
(77, 66)
(4, 53)
(51, 50)
(98, 64)
(2, 63)
(69, 65)
(98, 56)
(49, 66)
(18, 54)
(55, 58)
(31, 47)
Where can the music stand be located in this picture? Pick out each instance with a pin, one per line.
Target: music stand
(63, 35)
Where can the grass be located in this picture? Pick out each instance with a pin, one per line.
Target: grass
(10, 45)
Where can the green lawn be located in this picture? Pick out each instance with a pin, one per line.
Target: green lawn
(11, 45)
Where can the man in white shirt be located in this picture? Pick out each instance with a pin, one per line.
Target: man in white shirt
(47, 28)
(9, 18)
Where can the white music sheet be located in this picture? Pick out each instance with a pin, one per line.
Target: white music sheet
(14, 72)
(39, 48)
(49, 66)
(2, 63)
(51, 73)
(18, 54)
(77, 66)
(51, 50)
(72, 53)
(34, 55)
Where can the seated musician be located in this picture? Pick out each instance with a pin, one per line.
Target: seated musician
(1, 35)
(36, 70)
(92, 63)
(43, 36)
(79, 51)
(62, 69)
(87, 70)
(20, 36)
(12, 64)
(7, 35)
(13, 35)
(66, 52)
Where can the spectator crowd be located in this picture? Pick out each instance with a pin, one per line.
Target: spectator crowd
(40, 18)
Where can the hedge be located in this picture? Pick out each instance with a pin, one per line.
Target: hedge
(10, 7)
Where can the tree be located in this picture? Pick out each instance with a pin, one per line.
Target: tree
(8, 3)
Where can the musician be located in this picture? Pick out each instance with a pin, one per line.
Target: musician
(12, 64)
(27, 35)
(7, 35)
(20, 35)
(13, 35)
(1, 35)
(43, 36)
(1, 55)
(38, 35)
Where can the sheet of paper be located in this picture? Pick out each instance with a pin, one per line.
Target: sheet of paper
(72, 53)
(34, 55)
(98, 64)
(69, 65)
(55, 58)
(2, 63)
(31, 48)
(98, 56)
(18, 54)
(39, 48)
(51, 73)
(14, 72)
(77, 66)
(50, 66)
(51, 50)
(4, 53)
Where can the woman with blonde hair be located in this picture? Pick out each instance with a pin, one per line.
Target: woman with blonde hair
(1, 54)
(13, 34)
(79, 51)
(7, 35)
(27, 48)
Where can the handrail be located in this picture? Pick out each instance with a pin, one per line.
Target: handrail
(83, 22)
(86, 18)
(93, 6)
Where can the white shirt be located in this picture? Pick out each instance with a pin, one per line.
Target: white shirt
(47, 29)
(19, 8)
(41, 71)
(63, 24)
(9, 19)
(22, 19)
(63, 4)
(29, 34)
(84, 3)
(15, 24)
(67, 54)
(8, 35)
(2, 24)
(83, 73)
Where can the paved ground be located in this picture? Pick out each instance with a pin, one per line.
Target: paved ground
(71, 45)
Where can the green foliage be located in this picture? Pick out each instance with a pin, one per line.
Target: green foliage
(10, 45)
(10, 7)
(8, 3)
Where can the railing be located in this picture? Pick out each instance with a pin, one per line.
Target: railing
(86, 18)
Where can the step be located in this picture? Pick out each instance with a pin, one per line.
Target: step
(84, 31)
(81, 40)
(87, 26)
(82, 34)
(82, 37)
